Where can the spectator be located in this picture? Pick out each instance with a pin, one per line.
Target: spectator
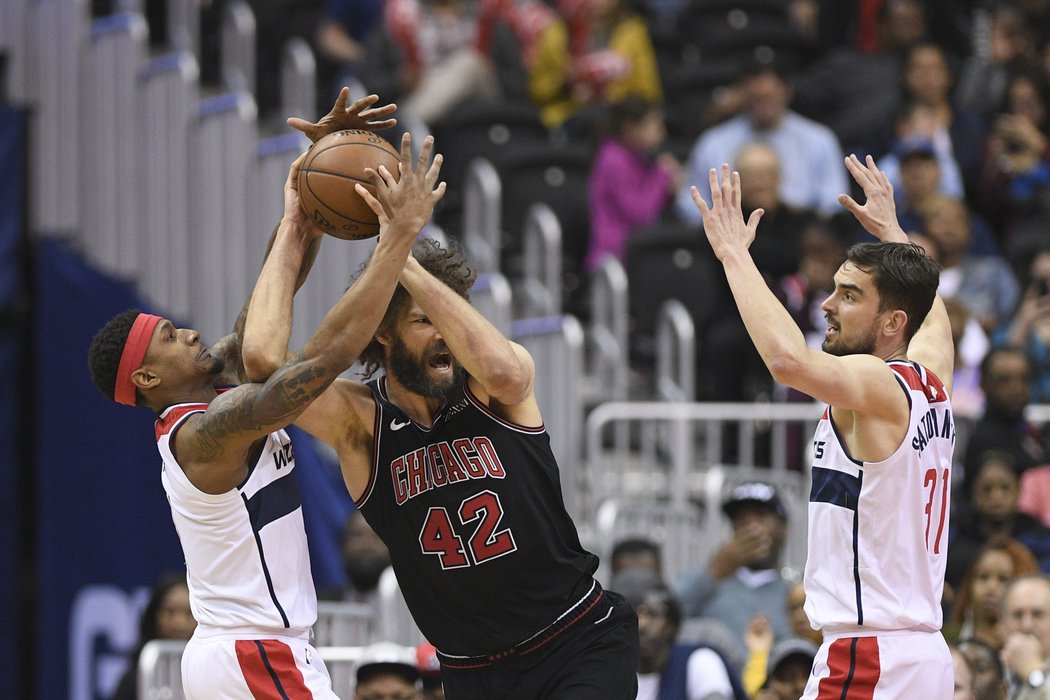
(917, 132)
(988, 681)
(740, 375)
(1006, 380)
(1026, 627)
(985, 73)
(427, 55)
(975, 611)
(167, 616)
(790, 663)
(920, 180)
(928, 80)
(342, 36)
(597, 54)
(1015, 192)
(632, 180)
(667, 669)
(387, 671)
(365, 557)
(963, 676)
(991, 509)
(778, 248)
(984, 284)
(855, 90)
(743, 577)
(812, 172)
(635, 553)
(1029, 328)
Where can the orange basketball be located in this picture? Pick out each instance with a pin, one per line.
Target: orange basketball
(327, 177)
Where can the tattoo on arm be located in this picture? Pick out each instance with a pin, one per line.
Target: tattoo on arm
(260, 408)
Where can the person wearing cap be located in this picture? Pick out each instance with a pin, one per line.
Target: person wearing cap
(668, 668)
(788, 669)
(227, 462)
(883, 446)
(387, 671)
(743, 577)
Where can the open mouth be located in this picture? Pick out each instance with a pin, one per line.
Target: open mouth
(440, 360)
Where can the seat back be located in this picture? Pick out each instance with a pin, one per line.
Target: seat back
(670, 260)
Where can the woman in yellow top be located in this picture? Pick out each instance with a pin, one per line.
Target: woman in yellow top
(599, 51)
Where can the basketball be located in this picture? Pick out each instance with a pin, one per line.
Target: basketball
(327, 177)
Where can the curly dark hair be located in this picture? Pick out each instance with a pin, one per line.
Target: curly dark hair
(106, 348)
(449, 265)
(905, 277)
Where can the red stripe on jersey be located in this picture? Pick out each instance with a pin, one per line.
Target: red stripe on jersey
(854, 666)
(269, 669)
(909, 375)
(174, 415)
(931, 387)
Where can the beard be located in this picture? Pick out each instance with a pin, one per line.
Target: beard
(841, 347)
(410, 371)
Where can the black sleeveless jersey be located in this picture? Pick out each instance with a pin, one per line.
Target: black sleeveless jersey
(472, 511)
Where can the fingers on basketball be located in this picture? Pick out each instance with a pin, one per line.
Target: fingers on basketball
(328, 176)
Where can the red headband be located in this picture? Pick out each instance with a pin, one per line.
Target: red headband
(131, 358)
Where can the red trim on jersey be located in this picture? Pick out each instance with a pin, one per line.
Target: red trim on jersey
(270, 671)
(910, 376)
(377, 428)
(499, 419)
(919, 378)
(165, 423)
(854, 665)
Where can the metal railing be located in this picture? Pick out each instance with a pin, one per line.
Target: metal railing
(482, 196)
(542, 262)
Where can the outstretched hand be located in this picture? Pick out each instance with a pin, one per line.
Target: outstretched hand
(878, 214)
(360, 115)
(724, 219)
(405, 205)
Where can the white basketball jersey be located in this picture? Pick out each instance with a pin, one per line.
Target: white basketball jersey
(246, 554)
(878, 531)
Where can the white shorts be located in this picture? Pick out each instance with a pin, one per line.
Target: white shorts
(247, 669)
(890, 667)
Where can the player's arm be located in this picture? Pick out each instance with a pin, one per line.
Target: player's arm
(213, 446)
(857, 382)
(932, 345)
(360, 115)
(501, 370)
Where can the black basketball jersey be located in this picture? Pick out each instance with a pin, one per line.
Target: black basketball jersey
(472, 511)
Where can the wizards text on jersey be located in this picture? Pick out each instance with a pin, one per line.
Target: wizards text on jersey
(441, 463)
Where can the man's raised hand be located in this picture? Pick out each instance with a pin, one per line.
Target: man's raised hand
(724, 220)
(878, 214)
(360, 115)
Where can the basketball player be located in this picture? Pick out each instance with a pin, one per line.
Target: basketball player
(882, 451)
(448, 459)
(227, 463)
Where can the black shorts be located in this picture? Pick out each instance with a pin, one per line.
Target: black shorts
(596, 658)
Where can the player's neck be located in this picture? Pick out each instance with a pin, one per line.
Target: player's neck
(421, 409)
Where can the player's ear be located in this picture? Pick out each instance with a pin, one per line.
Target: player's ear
(896, 322)
(145, 378)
